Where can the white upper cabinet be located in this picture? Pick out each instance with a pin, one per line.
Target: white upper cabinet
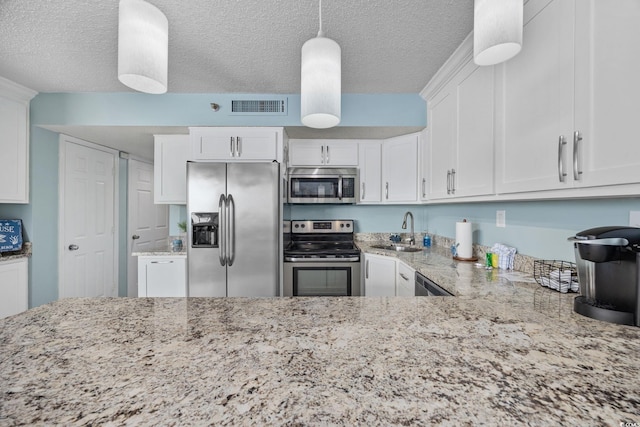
(441, 125)
(535, 102)
(460, 109)
(370, 172)
(14, 142)
(237, 144)
(566, 104)
(324, 152)
(607, 82)
(171, 153)
(400, 169)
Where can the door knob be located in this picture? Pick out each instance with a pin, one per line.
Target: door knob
(135, 237)
(74, 247)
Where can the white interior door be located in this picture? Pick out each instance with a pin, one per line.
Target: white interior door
(87, 219)
(147, 223)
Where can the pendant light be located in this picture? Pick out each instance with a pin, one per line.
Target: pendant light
(497, 30)
(143, 46)
(320, 88)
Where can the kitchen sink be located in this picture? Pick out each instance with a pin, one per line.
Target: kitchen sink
(398, 248)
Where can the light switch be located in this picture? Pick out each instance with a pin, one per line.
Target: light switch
(634, 218)
(501, 219)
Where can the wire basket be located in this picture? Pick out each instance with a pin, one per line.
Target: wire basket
(561, 276)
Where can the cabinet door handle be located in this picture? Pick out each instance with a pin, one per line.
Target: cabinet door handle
(328, 157)
(366, 270)
(453, 181)
(386, 189)
(561, 173)
(238, 146)
(322, 155)
(73, 247)
(424, 187)
(362, 196)
(577, 139)
(404, 277)
(448, 182)
(135, 237)
(161, 262)
(231, 152)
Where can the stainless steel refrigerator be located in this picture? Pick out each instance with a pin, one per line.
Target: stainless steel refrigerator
(234, 233)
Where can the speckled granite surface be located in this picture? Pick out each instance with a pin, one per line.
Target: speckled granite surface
(24, 253)
(316, 361)
(504, 352)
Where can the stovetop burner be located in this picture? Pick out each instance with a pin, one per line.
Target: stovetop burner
(331, 240)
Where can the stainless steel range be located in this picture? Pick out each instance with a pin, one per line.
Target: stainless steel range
(321, 259)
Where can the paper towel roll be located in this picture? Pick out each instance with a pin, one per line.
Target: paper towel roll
(464, 239)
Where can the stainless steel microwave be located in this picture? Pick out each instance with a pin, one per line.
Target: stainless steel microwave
(323, 185)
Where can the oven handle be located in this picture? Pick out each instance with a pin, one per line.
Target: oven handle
(330, 260)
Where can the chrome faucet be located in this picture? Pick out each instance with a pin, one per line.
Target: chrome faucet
(412, 239)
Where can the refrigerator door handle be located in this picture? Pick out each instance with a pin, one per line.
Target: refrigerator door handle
(231, 228)
(222, 234)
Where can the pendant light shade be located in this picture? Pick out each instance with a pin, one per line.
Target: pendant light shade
(321, 82)
(497, 30)
(143, 46)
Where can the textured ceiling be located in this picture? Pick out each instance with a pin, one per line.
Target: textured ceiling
(231, 46)
(234, 46)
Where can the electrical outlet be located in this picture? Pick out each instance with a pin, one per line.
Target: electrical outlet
(501, 219)
(634, 218)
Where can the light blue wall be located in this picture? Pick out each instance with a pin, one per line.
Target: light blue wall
(130, 109)
(177, 213)
(538, 228)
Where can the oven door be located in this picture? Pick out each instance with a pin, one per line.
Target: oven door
(321, 279)
(322, 186)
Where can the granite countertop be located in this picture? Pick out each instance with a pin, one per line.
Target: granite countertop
(161, 251)
(505, 351)
(25, 252)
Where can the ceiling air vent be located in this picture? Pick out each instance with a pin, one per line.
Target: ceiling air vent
(269, 107)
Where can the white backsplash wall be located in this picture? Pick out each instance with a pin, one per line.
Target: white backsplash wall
(538, 228)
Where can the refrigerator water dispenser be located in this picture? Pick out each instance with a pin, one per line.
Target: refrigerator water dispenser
(204, 229)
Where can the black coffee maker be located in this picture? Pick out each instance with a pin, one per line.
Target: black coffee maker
(608, 263)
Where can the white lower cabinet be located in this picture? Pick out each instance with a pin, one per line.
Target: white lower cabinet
(162, 276)
(379, 276)
(14, 291)
(405, 280)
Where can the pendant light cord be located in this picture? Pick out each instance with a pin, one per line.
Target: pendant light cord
(320, 33)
